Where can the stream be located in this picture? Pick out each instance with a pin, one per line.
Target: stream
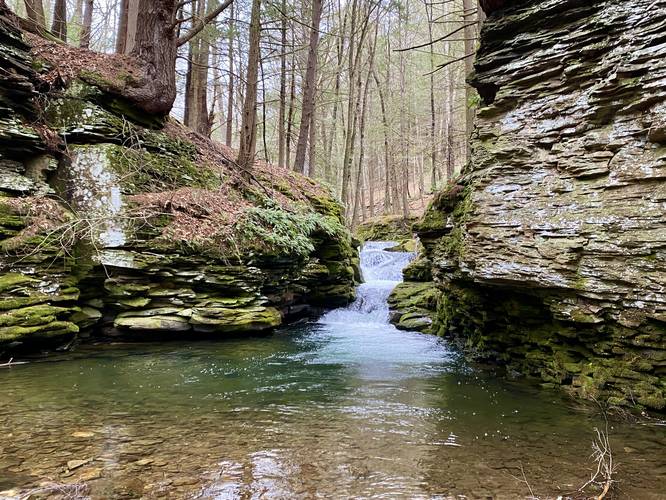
(343, 407)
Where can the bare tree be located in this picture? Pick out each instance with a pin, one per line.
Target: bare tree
(309, 91)
(86, 26)
(35, 12)
(59, 24)
(248, 138)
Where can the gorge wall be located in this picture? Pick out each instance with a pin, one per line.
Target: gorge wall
(113, 222)
(549, 252)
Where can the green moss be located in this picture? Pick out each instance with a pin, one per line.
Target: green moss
(409, 295)
(327, 205)
(143, 171)
(12, 280)
(410, 245)
(418, 270)
(413, 305)
(48, 330)
(386, 228)
(247, 319)
(415, 321)
(32, 316)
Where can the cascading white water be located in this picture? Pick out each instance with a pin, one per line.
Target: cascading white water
(382, 271)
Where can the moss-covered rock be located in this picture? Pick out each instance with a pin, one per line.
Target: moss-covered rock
(413, 305)
(132, 223)
(386, 228)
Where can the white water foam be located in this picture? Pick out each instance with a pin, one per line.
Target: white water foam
(382, 271)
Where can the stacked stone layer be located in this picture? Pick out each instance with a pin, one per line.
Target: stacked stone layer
(550, 251)
(79, 259)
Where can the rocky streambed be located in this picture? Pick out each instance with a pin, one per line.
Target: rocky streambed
(347, 406)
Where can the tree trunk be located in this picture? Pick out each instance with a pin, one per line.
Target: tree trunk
(230, 95)
(189, 75)
(155, 45)
(35, 11)
(469, 8)
(196, 94)
(361, 157)
(263, 110)
(283, 86)
(387, 160)
(59, 25)
(310, 88)
(121, 35)
(132, 25)
(248, 138)
(404, 143)
(216, 114)
(86, 27)
(433, 117)
(312, 144)
(292, 97)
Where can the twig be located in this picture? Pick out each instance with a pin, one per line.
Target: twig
(11, 362)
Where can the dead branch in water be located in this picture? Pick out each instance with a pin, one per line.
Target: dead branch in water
(606, 468)
(11, 362)
(77, 491)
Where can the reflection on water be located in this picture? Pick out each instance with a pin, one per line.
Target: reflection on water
(341, 408)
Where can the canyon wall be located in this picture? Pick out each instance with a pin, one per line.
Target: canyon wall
(550, 250)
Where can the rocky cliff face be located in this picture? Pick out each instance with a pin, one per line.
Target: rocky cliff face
(112, 223)
(550, 251)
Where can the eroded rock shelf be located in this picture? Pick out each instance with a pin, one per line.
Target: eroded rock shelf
(549, 251)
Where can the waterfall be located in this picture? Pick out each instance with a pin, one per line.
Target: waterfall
(382, 271)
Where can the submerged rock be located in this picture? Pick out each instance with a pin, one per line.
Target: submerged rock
(550, 250)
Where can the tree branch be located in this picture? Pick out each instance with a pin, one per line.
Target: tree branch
(201, 24)
(438, 40)
(457, 59)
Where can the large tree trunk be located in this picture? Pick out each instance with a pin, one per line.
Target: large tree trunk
(248, 138)
(86, 26)
(59, 24)
(155, 45)
(310, 88)
(35, 12)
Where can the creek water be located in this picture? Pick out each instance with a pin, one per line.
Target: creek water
(344, 407)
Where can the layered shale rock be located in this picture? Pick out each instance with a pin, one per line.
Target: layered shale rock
(114, 223)
(550, 250)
